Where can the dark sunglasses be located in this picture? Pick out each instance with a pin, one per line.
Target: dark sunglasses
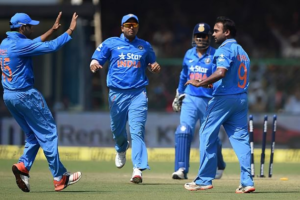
(129, 25)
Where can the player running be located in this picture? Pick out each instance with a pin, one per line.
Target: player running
(128, 58)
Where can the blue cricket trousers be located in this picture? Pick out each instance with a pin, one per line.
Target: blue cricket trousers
(193, 109)
(30, 110)
(231, 112)
(130, 105)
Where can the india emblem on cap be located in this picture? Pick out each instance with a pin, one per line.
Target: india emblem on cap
(201, 28)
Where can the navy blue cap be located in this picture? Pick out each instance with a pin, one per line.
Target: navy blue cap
(202, 28)
(129, 16)
(20, 19)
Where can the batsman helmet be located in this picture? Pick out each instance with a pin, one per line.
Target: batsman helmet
(203, 33)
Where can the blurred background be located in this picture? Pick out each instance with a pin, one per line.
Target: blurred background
(268, 30)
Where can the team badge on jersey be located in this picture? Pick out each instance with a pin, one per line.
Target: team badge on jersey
(201, 28)
(207, 60)
(140, 47)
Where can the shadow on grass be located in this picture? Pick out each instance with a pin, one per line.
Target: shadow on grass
(79, 191)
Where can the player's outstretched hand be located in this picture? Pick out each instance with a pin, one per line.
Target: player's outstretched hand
(154, 67)
(56, 24)
(197, 83)
(73, 21)
(193, 82)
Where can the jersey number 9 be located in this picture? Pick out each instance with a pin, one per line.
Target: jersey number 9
(242, 78)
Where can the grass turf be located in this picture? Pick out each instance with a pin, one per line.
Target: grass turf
(102, 180)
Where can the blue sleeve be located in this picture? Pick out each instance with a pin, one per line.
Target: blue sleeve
(102, 53)
(151, 58)
(222, 58)
(183, 77)
(38, 39)
(33, 48)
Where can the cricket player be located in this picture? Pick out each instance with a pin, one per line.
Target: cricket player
(228, 107)
(192, 101)
(128, 58)
(26, 104)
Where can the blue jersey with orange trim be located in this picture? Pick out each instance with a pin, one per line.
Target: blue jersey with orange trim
(15, 58)
(128, 61)
(194, 67)
(232, 57)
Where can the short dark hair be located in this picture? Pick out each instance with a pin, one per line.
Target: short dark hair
(13, 29)
(228, 24)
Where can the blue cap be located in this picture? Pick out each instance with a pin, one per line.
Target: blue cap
(202, 28)
(129, 16)
(20, 19)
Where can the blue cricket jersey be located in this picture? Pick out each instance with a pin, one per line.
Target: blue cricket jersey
(128, 61)
(194, 67)
(232, 57)
(15, 58)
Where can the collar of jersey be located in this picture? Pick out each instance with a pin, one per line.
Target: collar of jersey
(228, 41)
(15, 34)
(206, 53)
(125, 39)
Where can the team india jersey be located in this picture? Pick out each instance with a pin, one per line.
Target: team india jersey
(196, 68)
(15, 58)
(232, 57)
(128, 61)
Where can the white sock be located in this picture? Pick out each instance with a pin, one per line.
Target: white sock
(58, 178)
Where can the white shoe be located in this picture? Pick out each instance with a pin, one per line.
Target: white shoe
(246, 189)
(219, 173)
(179, 174)
(136, 176)
(120, 159)
(192, 186)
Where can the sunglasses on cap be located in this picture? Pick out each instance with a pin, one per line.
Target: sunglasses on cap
(129, 25)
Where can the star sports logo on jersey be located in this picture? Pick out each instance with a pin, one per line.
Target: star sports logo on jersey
(198, 69)
(129, 60)
(221, 59)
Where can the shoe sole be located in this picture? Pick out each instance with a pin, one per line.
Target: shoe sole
(248, 191)
(199, 188)
(19, 180)
(136, 180)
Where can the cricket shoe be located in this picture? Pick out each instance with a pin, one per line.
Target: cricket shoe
(66, 180)
(246, 189)
(179, 174)
(192, 186)
(120, 159)
(136, 176)
(219, 173)
(22, 176)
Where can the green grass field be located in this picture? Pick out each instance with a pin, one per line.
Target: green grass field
(102, 180)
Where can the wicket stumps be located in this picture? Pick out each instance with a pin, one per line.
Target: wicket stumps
(251, 144)
(263, 147)
(272, 146)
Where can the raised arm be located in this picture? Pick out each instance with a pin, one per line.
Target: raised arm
(55, 27)
(39, 48)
